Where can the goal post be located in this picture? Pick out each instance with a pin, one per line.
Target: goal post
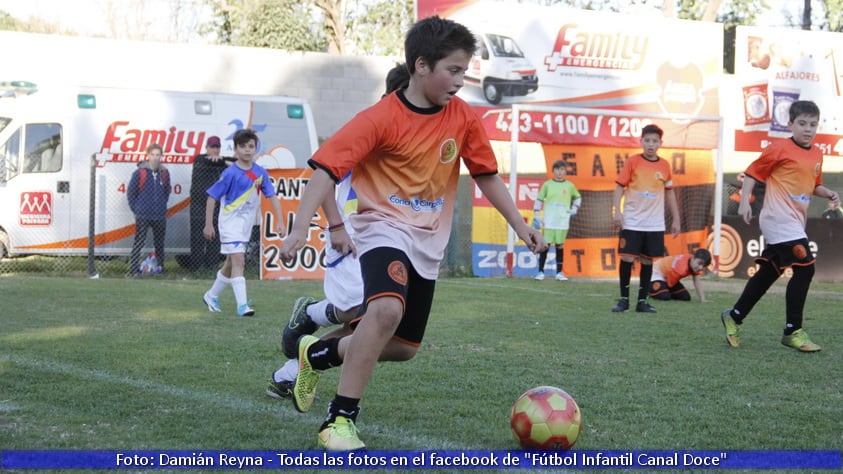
(607, 128)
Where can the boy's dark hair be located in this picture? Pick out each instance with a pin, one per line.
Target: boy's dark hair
(397, 78)
(433, 38)
(803, 107)
(704, 255)
(560, 164)
(154, 146)
(242, 136)
(652, 128)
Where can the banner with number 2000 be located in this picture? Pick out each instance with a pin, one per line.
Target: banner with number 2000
(309, 262)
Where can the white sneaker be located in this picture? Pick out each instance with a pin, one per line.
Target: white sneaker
(561, 277)
(539, 276)
(213, 303)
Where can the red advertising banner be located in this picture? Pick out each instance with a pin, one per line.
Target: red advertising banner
(605, 129)
(309, 262)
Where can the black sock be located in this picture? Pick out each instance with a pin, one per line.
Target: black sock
(341, 406)
(797, 291)
(560, 257)
(324, 354)
(644, 276)
(331, 314)
(755, 288)
(542, 261)
(625, 275)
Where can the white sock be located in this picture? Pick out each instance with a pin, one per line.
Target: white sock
(219, 285)
(287, 373)
(238, 284)
(317, 312)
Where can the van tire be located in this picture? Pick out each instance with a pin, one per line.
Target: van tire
(4, 244)
(492, 93)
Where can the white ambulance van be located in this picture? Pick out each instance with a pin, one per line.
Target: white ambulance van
(48, 137)
(500, 69)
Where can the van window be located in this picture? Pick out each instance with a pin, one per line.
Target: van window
(43, 153)
(504, 47)
(10, 156)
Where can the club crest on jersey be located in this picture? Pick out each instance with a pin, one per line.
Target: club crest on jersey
(448, 151)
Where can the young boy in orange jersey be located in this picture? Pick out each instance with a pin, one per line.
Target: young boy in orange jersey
(792, 171)
(668, 271)
(404, 152)
(645, 182)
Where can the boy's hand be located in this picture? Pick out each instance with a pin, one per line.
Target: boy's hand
(618, 219)
(537, 223)
(208, 232)
(745, 211)
(534, 240)
(675, 228)
(835, 198)
(292, 244)
(281, 229)
(342, 243)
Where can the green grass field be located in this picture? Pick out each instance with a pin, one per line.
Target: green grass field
(140, 364)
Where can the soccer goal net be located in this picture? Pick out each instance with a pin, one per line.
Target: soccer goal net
(594, 144)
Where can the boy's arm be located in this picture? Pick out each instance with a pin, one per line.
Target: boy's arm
(495, 191)
(209, 231)
(280, 228)
(744, 210)
(676, 224)
(317, 190)
(616, 205)
(822, 191)
(340, 240)
(699, 289)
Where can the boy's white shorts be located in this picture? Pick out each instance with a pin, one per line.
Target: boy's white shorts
(343, 285)
(235, 247)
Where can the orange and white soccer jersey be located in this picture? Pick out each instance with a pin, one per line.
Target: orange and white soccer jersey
(405, 168)
(645, 182)
(673, 268)
(790, 173)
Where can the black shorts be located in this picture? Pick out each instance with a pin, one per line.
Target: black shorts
(388, 272)
(639, 243)
(660, 291)
(787, 254)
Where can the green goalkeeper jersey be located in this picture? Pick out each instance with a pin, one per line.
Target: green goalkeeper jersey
(557, 197)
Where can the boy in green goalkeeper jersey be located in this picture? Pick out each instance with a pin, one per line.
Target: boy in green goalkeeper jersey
(560, 200)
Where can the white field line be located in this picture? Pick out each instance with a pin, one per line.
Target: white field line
(283, 411)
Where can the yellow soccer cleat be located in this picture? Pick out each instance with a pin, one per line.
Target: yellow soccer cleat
(304, 391)
(733, 329)
(800, 341)
(341, 435)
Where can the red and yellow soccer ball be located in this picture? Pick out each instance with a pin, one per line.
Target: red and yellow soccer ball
(546, 418)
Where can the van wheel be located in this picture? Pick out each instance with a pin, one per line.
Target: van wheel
(4, 244)
(491, 92)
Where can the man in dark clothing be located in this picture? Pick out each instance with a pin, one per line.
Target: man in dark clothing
(207, 168)
(148, 193)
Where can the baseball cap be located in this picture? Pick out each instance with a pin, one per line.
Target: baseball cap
(213, 141)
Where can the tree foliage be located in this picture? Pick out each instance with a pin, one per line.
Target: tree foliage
(279, 24)
(379, 28)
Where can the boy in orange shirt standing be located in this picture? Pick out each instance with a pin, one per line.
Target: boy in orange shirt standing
(792, 172)
(646, 183)
(404, 153)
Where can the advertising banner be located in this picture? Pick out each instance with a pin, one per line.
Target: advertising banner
(555, 55)
(742, 243)
(309, 262)
(776, 66)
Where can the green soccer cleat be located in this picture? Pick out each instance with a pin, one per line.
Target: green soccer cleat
(341, 435)
(304, 391)
(280, 390)
(800, 341)
(299, 325)
(733, 329)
